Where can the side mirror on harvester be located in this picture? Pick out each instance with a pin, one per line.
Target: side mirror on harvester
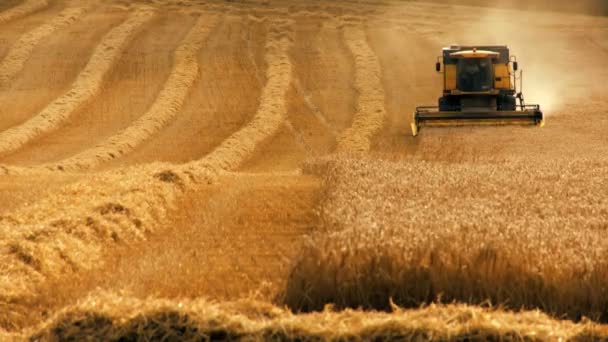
(438, 66)
(515, 66)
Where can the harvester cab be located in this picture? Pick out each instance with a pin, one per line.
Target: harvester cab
(479, 87)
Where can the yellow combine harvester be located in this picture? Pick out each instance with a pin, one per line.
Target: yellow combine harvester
(479, 87)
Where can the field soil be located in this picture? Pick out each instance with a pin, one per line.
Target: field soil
(246, 169)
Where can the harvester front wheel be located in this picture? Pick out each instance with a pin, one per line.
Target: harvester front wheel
(506, 103)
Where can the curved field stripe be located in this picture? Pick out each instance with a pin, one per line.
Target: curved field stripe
(370, 114)
(168, 104)
(271, 113)
(22, 49)
(87, 85)
(27, 7)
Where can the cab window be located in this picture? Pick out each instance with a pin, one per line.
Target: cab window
(475, 74)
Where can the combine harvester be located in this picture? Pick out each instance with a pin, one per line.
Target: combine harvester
(479, 87)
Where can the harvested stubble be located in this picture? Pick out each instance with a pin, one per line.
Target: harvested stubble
(272, 110)
(87, 85)
(39, 243)
(27, 7)
(168, 104)
(22, 49)
(114, 317)
(516, 234)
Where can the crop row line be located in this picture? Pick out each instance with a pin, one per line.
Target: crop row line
(166, 106)
(20, 51)
(271, 113)
(86, 86)
(38, 242)
(371, 113)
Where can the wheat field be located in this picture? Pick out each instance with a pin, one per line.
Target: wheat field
(221, 170)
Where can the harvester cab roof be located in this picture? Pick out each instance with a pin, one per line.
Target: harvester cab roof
(475, 54)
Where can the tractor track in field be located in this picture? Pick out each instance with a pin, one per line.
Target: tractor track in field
(316, 111)
(21, 10)
(322, 66)
(86, 86)
(309, 122)
(16, 57)
(305, 133)
(406, 84)
(272, 110)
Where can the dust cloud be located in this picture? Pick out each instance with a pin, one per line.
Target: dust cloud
(552, 71)
(592, 7)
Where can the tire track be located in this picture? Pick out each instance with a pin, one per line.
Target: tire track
(406, 84)
(87, 85)
(223, 99)
(271, 113)
(324, 80)
(15, 58)
(307, 122)
(168, 104)
(370, 115)
(284, 152)
(25, 8)
(320, 100)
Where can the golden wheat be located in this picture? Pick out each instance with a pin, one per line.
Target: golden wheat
(514, 234)
(107, 316)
